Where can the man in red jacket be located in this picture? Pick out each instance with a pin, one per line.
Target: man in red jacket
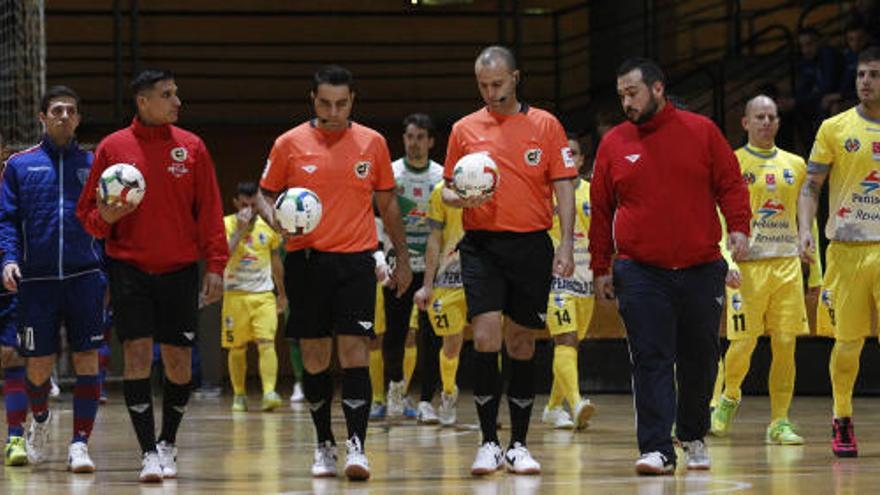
(152, 254)
(657, 182)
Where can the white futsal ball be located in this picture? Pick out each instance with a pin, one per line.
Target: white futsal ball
(475, 175)
(121, 184)
(298, 210)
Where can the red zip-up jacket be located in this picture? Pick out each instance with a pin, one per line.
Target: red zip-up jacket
(655, 189)
(180, 219)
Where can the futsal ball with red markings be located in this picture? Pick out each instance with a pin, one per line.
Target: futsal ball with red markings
(298, 210)
(121, 183)
(475, 175)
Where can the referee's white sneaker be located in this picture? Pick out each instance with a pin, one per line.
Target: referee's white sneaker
(489, 459)
(325, 461)
(168, 459)
(356, 466)
(654, 463)
(697, 455)
(151, 468)
(520, 461)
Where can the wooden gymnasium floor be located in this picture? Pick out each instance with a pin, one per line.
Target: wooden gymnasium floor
(258, 452)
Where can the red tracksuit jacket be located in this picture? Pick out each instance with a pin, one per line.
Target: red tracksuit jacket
(180, 219)
(655, 189)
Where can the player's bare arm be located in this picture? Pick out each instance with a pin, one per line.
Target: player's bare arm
(266, 210)
(278, 279)
(807, 205)
(422, 297)
(391, 218)
(563, 259)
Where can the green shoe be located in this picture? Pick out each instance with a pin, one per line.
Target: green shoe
(781, 432)
(271, 401)
(16, 455)
(239, 403)
(722, 416)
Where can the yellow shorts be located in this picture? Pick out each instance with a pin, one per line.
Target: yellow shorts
(851, 292)
(448, 311)
(770, 300)
(247, 317)
(379, 316)
(569, 313)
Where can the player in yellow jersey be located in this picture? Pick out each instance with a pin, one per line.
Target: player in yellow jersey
(765, 290)
(569, 310)
(442, 295)
(250, 307)
(847, 153)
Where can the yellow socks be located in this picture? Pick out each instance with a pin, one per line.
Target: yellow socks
(844, 369)
(780, 383)
(565, 376)
(448, 369)
(736, 365)
(237, 362)
(409, 363)
(268, 365)
(377, 375)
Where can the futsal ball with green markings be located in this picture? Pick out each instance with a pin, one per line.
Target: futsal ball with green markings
(120, 184)
(298, 210)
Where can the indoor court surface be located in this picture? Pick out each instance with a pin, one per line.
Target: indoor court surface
(256, 453)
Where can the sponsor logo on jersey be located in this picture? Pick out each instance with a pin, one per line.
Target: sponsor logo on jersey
(872, 182)
(749, 178)
(826, 297)
(770, 208)
(788, 175)
(178, 170)
(844, 212)
(770, 181)
(83, 175)
(736, 301)
(568, 157)
(179, 154)
(558, 300)
(262, 237)
(875, 151)
(362, 169)
(851, 145)
(633, 158)
(533, 156)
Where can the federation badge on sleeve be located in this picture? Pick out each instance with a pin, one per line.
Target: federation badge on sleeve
(568, 157)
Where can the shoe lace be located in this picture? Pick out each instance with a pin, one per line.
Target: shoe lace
(354, 445)
(844, 431)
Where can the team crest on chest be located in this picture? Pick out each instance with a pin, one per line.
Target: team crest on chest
(788, 176)
(749, 178)
(179, 154)
(362, 169)
(533, 156)
(852, 145)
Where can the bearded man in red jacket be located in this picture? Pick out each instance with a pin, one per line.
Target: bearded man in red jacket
(658, 180)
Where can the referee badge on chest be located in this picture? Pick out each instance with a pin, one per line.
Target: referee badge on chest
(362, 169)
(533, 156)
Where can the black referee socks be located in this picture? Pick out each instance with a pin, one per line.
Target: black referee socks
(520, 398)
(356, 396)
(318, 389)
(139, 402)
(174, 399)
(487, 392)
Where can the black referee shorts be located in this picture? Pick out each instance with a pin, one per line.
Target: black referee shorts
(508, 272)
(163, 306)
(330, 293)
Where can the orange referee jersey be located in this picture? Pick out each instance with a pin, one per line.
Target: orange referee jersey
(530, 150)
(343, 168)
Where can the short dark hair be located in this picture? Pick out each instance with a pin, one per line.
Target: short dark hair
(870, 54)
(148, 78)
(334, 75)
(651, 72)
(490, 54)
(573, 136)
(57, 92)
(247, 188)
(420, 120)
